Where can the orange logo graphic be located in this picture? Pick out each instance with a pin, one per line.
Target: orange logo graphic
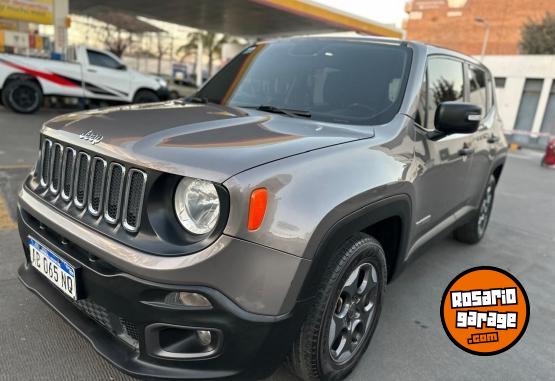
(485, 311)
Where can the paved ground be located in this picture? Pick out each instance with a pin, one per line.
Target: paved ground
(409, 342)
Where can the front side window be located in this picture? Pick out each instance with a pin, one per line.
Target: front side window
(478, 92)
(445, 83)
(103, 60)
(352, 82)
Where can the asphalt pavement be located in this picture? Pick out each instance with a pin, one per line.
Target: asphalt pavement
(409, 343)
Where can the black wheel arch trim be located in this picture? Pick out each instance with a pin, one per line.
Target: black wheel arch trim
(24, 76)
(324, 242)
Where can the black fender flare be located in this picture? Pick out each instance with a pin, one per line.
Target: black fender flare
(24, 76)
(324, 242)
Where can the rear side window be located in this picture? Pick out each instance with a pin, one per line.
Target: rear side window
(445, 83)
(478, 90)
(490, 91)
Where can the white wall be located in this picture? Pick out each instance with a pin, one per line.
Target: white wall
(516, 69)
(150, 65)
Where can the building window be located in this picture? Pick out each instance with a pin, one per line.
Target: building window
(500, 82)
(527, 108)
(548, 123)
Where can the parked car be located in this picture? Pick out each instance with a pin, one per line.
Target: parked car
(548, 159)
(88, 73)
(261, 219)
(179, 88)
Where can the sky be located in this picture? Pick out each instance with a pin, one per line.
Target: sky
(383, 11)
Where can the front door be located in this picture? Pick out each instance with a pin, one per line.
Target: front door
(106, 77)
(442, 187)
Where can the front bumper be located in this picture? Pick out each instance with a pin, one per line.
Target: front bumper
(118, 310)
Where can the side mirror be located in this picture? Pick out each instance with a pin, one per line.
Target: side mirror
(457, 118)
(122, 67)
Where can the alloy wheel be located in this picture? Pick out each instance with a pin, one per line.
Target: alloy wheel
(24, 97)
(485, 210)
(353, 313)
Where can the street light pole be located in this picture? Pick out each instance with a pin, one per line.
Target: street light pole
(486, 24)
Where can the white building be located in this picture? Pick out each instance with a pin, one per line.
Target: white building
(525, 88)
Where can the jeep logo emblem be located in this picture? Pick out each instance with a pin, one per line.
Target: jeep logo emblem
(91, 137)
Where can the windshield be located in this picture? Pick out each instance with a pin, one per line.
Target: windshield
(352, 82)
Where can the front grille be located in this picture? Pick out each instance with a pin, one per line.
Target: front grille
(96, 312)
(123, 329)
(114, 192)
(45, 162)
(133, 205)
(93, 182)
(98, 176)
(130, 329)
(56, 168)
(68, 164)
(81, 179)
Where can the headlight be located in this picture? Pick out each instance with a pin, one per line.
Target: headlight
(197, 205)
(162, 82)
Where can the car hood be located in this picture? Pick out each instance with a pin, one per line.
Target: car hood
(210, 142)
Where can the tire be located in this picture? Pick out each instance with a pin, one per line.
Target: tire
(316, 353)
(474, 230)
(23, 96)
(145, 96)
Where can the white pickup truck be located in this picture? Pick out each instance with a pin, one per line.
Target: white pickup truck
(87, 73)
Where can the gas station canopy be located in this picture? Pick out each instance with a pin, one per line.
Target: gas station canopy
(246, 18)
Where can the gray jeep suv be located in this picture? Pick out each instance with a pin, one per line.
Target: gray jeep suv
(259, 221)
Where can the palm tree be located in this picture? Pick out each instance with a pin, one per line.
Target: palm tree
(212, 43)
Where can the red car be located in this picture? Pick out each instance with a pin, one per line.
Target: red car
(549, 158)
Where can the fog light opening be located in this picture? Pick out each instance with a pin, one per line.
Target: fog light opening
(187, 299)
(179, 342)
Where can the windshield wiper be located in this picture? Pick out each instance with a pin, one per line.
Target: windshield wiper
(289, 112)
(196, 99)
(193, 99)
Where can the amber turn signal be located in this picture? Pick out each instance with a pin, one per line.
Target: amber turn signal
(257, 208)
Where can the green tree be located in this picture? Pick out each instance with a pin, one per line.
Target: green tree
(539, 37)
(212, 46)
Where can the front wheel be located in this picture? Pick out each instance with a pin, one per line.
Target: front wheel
(345, 313)
(473, 231)
(145, 96)
(23, 96)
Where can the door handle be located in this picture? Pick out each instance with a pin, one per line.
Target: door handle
(466, 151)
(493, 139)
(91, 70)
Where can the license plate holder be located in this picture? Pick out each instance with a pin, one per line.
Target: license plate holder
(52, 266)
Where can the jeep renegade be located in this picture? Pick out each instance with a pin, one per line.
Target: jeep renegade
(260, 220)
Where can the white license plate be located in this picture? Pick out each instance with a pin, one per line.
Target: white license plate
(58, 271)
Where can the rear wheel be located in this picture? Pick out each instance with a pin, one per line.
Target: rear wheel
(346, 309)
(473, 231)
(22, 96)
(145, 96)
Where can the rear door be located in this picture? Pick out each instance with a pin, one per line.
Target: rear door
(442, 186)
(486, 138)
(105, 77)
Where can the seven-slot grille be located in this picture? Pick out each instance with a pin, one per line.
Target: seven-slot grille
(92, 183)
